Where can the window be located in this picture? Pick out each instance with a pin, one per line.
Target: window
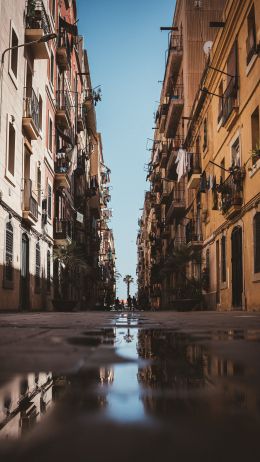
(223, 259)
(235, 153)
(223, 171)
(48, 270)
(52, 68)
(205, 134)
(255, 135)
(14, 53)
(251, 35)
(39, 178)
(11, 148)
(37, 266)
(53, 2)
(49, 201)
(257, 243)
(50, 135)
(40, 112)
(220, 101)
(9, 244)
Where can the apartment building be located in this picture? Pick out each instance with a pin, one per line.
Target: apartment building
(49, 143)
(225, 126)
(184, 66)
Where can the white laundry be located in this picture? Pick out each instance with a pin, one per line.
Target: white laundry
(182, 163)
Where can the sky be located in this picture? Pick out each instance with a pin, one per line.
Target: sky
(126, 52)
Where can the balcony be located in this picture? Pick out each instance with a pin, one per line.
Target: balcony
(175, 206)
(37, 24)
(29, 203)
(166, 231)
(232, 194)
(30, 120)
(163, 155)
(62, 232)
(251, 48)
(63, 53)
(61, 169)
(81, 120)
(174, 111)
(193, 235)
(62, 109)
(230, 104)
(174, 59)
(194, 171)
(163, 115)
(166, 190)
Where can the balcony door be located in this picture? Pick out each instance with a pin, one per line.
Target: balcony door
(25, 275)
(237, 267)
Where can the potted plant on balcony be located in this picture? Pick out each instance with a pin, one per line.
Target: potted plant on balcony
(256, 153)
(68, 260)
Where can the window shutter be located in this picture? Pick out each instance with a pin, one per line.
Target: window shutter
(38, 266)
(257, 242)
(223, 259)
(9, 242)
(48, 270)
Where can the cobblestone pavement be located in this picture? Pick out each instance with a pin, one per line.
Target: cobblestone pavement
(95, 385)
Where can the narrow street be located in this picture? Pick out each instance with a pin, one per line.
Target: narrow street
(129, 385)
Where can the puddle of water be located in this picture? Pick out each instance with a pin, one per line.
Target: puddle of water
(169, 380)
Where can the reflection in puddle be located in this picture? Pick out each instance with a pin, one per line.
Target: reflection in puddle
(23, 401)
(164, 377)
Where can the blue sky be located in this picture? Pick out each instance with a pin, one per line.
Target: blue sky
(126, 53)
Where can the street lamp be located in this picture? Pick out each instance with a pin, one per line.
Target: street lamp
(43, 39)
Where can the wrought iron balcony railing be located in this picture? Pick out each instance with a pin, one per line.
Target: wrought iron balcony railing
(62, 229)
(232, 191)
(192, 232)
(230, 98)
(31, 106)
(195, 164)
(36, 16)
(30, 204)
(61, 165)
(176, 42)
(62, 101)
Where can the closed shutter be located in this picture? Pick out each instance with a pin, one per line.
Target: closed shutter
(49, 200)
(223, 259)
(232, 69)
(48, 270)
(38, 266)
(9, 243)
(257, 242)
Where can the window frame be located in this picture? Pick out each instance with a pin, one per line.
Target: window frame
(8, 173)
(37, 267)
(50, 131)
(13, 77)
(49, 201)
(8, 283)
(256, 268)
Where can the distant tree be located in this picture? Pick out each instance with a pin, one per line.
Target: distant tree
(128, 279)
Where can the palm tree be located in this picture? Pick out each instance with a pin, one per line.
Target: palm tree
(128, 279)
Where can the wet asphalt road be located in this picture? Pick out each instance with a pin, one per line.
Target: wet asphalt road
(124, 386)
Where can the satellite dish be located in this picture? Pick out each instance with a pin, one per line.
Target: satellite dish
(207, 47)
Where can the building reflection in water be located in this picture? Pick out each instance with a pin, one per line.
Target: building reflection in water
(23, 401)
(185, 376)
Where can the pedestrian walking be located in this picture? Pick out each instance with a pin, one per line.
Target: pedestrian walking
(134, 302)
(129, 302)
(117, 303)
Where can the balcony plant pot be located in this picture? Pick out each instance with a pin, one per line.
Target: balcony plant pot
(64, 305)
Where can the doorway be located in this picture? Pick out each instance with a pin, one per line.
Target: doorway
(237, 267)
(25, 275)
